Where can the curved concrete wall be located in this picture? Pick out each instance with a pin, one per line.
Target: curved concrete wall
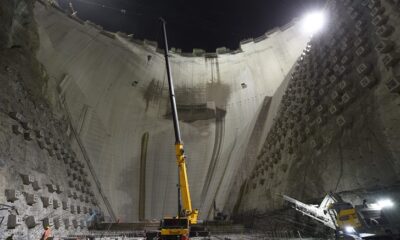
(116, 91)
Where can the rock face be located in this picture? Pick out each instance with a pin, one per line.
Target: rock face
(19, 41)
(17, 28)
(333, 124)
(42, 180)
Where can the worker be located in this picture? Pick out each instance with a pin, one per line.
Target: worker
(365, 205)
(46, 234)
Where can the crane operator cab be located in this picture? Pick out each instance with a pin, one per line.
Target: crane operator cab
(174, 229)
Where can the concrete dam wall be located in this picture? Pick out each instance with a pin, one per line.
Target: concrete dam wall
(116, 92)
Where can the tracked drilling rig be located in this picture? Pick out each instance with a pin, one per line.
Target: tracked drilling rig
(366, 221)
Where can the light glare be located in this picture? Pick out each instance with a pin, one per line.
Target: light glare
(313, 22)
(349, 229)
(385, 203)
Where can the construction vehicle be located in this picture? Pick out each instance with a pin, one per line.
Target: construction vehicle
(366, 221)
(184, 225)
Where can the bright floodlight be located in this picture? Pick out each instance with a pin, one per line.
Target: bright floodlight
(385, 203)
(313, 22)
(349, 229)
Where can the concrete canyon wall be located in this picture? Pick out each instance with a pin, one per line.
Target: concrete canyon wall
(115, 90)
(333, 124)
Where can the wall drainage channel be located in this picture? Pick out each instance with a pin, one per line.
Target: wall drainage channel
(142, 182)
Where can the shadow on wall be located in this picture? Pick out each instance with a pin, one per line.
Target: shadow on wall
(207, 103)
(153, 92)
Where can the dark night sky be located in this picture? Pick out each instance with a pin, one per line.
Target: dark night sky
(205, 24)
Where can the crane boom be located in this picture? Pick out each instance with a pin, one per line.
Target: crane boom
(187, 211)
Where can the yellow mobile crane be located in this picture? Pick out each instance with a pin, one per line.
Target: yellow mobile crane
(180, 227)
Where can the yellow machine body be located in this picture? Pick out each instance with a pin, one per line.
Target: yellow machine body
(188, 211)
(174, 232)
(348, 217)
(180, 226)
(175, 227)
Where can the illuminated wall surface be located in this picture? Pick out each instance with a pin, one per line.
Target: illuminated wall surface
(282, 115)
(116, 91)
